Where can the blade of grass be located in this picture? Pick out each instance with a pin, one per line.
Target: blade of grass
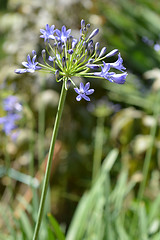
(58, 232)
(143, 229)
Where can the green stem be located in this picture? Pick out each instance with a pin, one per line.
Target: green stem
(49, 162)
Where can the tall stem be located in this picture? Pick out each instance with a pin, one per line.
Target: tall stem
(49, 162)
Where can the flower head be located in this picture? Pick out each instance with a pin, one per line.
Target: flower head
(83, 91)
(68, 57)
(48, 33)
(30, 66)
(63, 35)
(111, 76)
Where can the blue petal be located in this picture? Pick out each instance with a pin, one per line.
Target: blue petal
(42, 31)
(87, 86)
(52, 28)
(29, 59)
(90, 91)
(77, 90)
(33, 59)
(81, 87)
(25, 64)
(47, 27)
(19, 71)
(86, 98)
(58, 32)
(78, 98)
(63, 28)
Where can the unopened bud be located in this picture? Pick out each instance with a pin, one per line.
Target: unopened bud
(97, 52)
(33, 52)
(88, 26)
(96, 46)
(44, 54)
(82, 24)
(112, 53)
(91, 49)
(84, 30)
(103, 51)
(74, 43)
(94, 33)
(63, 61)
(70, 51)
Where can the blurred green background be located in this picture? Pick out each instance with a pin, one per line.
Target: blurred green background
(121, 117)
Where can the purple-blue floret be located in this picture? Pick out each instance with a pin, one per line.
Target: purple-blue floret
(63, 35)
(30, 66)
(48, 33)
(83, 91)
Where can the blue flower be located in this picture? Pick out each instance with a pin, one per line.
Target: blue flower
(83, 91)
(31, 66)
(118, 64)
(63, 35)
(48, 33)
(12, 104)
(9, 123)
(13, 108)
(111, 76)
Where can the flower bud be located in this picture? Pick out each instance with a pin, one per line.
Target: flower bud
(97, 52)
(103, 51)
(63, 61)
(92, 66)
(94, 33)
(88, 26)
(91, 49)
(44, 54)
(84, 44)
(91, 60)
(33, 52)
(82, 23)
(112, 53)
(52, 59)
(70, 51)
(96, 46)
(84, 30)
(74, 43)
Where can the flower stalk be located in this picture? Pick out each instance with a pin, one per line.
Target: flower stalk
(50, 157)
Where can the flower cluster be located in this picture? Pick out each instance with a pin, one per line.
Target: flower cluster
(66, 56)
(13, 108)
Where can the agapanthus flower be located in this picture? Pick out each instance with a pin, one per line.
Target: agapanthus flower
(118, 64)
(30, 66)
(83, 91)
(13, 109)
(63, 35)
(71, 57)
(111, 76)
(12, 104)
(48, 33)
(9, 123)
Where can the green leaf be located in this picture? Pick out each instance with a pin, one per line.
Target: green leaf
(58, 232)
